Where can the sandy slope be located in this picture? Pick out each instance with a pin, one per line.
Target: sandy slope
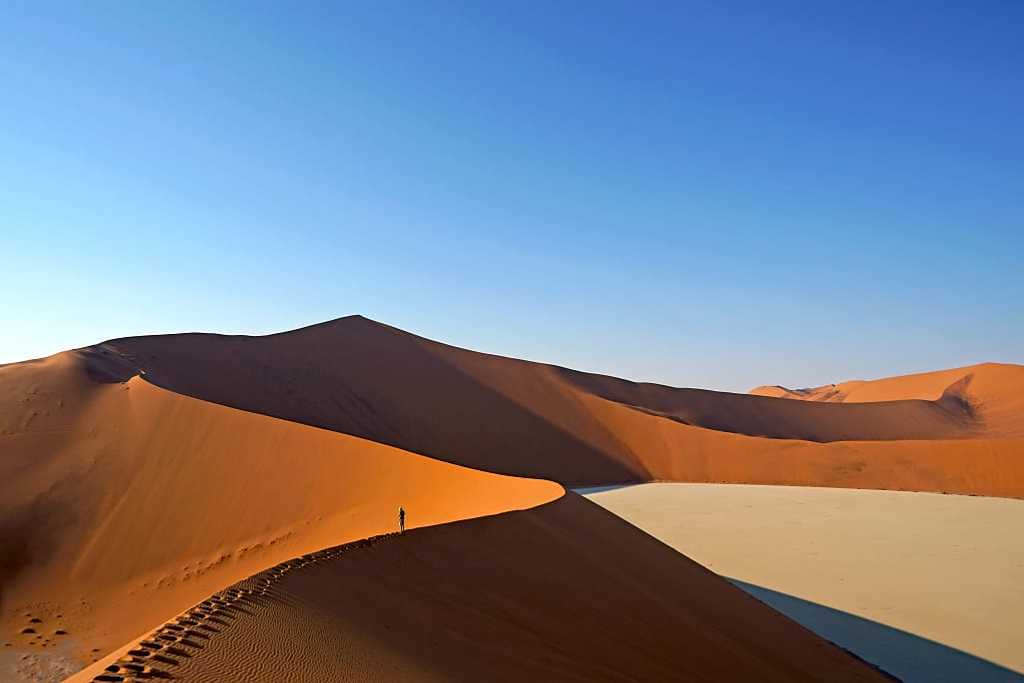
(122, 503)
(945, 568)
(543, 594)
(514, 417)
(676, 452)
(140, 475)
(992, 392)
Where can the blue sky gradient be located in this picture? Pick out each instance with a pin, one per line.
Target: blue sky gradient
(715, 194)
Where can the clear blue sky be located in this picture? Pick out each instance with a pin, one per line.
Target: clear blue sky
(715, 194)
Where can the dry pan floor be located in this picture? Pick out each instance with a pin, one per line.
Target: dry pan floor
(928, 586)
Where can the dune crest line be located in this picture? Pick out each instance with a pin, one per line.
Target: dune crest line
(157, 654)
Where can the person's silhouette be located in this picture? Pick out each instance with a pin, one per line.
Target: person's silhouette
(401, 519)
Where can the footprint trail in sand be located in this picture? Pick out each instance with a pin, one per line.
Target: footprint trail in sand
(160, 653)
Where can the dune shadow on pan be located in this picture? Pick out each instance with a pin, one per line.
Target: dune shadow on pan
(912, 658)
(587, 490)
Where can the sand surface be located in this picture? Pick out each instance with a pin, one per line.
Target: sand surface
(541, 594)
(989, 391)
(949, 569)
(503, 415)
(141, 475)
(122, 503)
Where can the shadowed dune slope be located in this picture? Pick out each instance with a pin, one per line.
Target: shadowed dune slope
(121, 503)
(363, 367)
(993, 393)
(359, 377)
(541, 594)
(675, 452)
(767, 417)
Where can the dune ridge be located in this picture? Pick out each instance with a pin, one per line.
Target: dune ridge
(992, 392)
(121, 502)
(521, 418)
(141, 475)
(435, 616)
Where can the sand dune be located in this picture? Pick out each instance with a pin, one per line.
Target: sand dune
(141, 475)
(122, 503)
(542, 594)
(993, 393)
(509, 416)
(912, 419)
(681, 453)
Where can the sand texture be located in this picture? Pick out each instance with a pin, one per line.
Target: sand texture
(541, 594)
(503, 415)
(991, 392)
(122, 503)
(142, 475)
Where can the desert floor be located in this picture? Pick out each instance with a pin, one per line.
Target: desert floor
(928, 586)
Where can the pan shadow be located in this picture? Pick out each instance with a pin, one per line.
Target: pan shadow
(587, 490)
(909, 657)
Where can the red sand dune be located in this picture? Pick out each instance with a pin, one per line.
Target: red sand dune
(140, 475)
(565, 591)
(993, 393)
(122, 503)
(993, 467)
(359, 377)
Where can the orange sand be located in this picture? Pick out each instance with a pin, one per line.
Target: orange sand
(992, 392)
(509, 416)
(544, 594)
(141, 475)
(123, 503)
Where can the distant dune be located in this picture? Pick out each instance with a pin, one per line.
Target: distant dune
(359, 377)
(992, 393)
(141, 475)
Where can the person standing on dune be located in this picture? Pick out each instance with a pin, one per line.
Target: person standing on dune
(401, 519)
